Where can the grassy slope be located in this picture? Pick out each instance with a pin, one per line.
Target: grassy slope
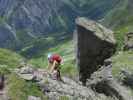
(122, 60)
(18, 89)
(9, 58)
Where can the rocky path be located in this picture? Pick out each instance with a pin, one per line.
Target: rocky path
(3, 94)
(54, 89)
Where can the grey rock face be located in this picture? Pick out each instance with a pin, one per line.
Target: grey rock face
(34, 98)
(128, 41)
(103, 82)
(126, 77)
(27, 77)
(26, 73)
(95, 43)
(26, 70)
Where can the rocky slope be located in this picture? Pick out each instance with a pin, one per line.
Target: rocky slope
(55, 89)
(101, 81)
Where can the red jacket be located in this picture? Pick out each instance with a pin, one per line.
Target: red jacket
(55, 57)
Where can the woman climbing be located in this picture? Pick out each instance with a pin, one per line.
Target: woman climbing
(54, 61)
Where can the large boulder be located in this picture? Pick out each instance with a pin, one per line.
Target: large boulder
(94, 44)
(26, 70)
(27, 77)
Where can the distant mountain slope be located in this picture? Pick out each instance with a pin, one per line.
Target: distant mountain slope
(23, 20)
(121, 16)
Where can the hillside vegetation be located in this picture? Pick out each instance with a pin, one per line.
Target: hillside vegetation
(121, 16)
(9, 58)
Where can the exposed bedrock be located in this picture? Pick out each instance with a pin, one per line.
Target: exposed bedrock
(102, 81)
(128, 43)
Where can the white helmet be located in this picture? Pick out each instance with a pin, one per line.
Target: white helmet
(49, 55)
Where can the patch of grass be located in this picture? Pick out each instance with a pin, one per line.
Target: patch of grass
(9, 58)
(2, 19)
(64, 98)
(69, 70)
(19, 89)
(4, 69)
(120, 34)
(122, 60)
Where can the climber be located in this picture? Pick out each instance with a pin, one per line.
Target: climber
(54, 61)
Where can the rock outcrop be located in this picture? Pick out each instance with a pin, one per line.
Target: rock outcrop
(34, 98)
(128, 45)
(126, 77)
(101, 86)
(94, 44)
(102, 81)
(54, 89)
